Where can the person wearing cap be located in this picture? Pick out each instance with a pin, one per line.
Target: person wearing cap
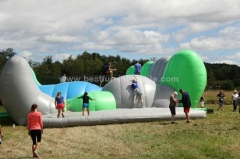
(221, 97)
(136, 91)
(172, 106)
(186, 104)
(235, 100)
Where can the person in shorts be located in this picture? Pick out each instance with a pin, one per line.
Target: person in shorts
(59, 104)
(172, 106)
(186, 104)
(220, 97)
(85, 105)
(136, 91)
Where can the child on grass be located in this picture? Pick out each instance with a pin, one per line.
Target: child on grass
(202, 102)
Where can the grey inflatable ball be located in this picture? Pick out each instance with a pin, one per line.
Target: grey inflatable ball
(121, 89)
(162, 96)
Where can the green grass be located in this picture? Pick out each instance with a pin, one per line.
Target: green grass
(213, 137)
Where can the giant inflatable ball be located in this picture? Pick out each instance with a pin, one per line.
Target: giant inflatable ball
(186, 70)
(123, 93)
(130, 70)
(145, 68)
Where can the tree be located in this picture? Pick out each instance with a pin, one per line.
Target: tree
(227, 85)
(57, 69)
(5, 55)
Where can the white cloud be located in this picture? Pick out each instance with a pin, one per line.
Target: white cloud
(90, 45)
(26, 54)
(234, 56)
(194, 28)
(210, 43)
(61, 57)
(60, 38)
(204, 57)
(138, 27)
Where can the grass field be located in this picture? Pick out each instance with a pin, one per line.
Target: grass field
(215, 137)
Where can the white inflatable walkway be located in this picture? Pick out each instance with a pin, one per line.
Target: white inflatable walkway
(117, 116)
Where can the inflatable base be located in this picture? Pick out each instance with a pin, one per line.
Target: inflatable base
(117, 116)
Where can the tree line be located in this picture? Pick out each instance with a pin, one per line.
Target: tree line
(219, 76)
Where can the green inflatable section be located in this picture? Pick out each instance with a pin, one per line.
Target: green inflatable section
(186, 70)
(130, 70)
(3, 114)
(146, 68)
(75, 104)
(35, 78)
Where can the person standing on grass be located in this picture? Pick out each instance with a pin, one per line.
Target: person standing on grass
(235, 100)
(172, 106)
(1, 134)
(59, 104)
(85, 105)
(35, 128)
(221, 97)
(202, 102)
(186, 104)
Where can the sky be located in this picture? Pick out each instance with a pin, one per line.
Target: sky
(133, 29)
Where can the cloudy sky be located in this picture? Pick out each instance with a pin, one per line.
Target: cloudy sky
(130, 28)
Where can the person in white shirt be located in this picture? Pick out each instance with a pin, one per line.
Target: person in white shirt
(64, 78)
(202, 102)
(235, 100)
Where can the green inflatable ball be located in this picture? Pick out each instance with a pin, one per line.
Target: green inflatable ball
(146, 68)
(186, 70)
(130, 70)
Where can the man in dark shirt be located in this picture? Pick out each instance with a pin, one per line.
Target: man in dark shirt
(106, 70)
(186, 103)
(137, 68)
